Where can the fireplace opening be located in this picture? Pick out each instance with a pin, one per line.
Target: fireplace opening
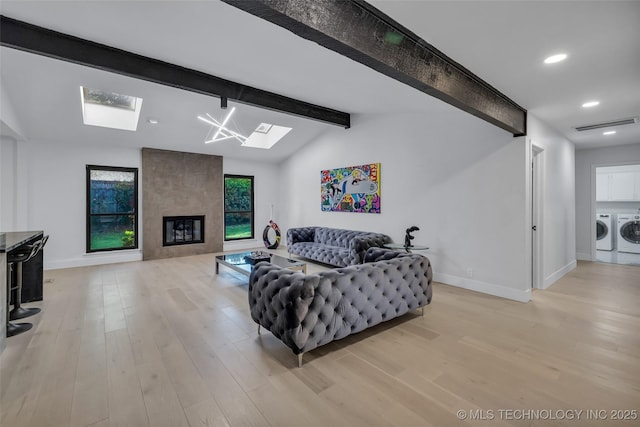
(182, 230)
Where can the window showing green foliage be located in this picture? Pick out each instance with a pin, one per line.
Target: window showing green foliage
(112, 206)
(238, 207)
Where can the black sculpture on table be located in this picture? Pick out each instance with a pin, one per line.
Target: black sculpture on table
(408, 237)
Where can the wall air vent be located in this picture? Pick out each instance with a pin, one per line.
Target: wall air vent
(619, 122)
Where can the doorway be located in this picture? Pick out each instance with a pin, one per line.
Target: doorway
(616, 238)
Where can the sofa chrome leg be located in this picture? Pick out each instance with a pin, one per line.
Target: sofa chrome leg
(258, 329)
(422, 311)
(300, 360)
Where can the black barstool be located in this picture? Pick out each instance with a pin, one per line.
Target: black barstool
(19, 257)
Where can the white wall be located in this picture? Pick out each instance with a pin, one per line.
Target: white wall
(558, 200)
(11, 133)
(8, 157)
(459, 179)
(266, 193)
(10, 123)
(56, 198)
(586, 162)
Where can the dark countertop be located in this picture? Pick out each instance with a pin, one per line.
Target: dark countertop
(11, 240)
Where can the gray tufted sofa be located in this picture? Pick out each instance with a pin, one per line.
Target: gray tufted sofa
(333, 246)
(308, 311)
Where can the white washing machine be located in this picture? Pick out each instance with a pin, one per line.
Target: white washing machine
(605, 229)
(629, 233)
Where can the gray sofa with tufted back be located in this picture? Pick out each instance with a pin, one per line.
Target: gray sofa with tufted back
(333, 246)
(308, 311)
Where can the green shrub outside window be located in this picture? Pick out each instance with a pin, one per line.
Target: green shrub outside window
(238, 207)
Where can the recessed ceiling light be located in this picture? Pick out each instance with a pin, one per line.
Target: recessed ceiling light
(153, 121)
(591, 104)
(555, 58)
(609, 132)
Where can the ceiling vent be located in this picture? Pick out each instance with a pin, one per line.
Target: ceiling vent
(612, 123)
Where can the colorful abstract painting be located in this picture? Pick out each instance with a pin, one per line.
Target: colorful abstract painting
(351, 189)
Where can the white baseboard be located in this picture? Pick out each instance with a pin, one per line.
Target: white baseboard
(555, 276)
(100, 258)
(583, 257)
(95, 259)
(521, 295)
(242, 245)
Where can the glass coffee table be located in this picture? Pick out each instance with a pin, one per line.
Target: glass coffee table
(238, 263)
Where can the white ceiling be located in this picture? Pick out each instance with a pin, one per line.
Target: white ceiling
(502, 42)
(505, 43)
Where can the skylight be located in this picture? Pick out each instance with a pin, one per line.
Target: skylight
(263, 128)
(110, 110)
(266, 136)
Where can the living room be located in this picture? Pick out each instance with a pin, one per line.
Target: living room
(463, 181)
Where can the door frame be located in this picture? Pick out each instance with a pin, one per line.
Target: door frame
(537, 218)
(593, 231)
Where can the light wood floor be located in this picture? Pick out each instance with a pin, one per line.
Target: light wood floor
(167, 343)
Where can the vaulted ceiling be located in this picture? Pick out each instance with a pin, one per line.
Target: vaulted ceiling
(504, 43)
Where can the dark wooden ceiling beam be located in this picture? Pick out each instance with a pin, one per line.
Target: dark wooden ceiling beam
(363, 33)
(42, 41)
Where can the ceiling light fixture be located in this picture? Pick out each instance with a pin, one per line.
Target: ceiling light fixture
(152, 121)
(555, 58)
(590, 104)
(265, 136)
(224, 122)
(222, 132)
(609, 132)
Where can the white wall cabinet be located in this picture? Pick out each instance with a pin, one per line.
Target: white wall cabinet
(618, 187)
(602, 187)
(622, 186)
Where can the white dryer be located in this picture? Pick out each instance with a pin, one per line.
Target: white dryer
(605, 228)
(629, 233)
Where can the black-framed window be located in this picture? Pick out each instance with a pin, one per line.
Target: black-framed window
(112, 208)
(238, 207)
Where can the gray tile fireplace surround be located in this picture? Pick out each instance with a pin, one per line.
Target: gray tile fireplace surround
(180, 184)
